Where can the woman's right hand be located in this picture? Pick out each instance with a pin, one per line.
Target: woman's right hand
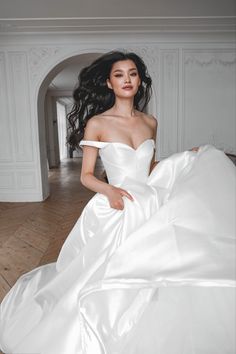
(115, 195)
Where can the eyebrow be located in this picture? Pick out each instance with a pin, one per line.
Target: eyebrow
(120, 70)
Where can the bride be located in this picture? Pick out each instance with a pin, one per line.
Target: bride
(149, 267)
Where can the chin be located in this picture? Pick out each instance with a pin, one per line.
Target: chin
(126, 94)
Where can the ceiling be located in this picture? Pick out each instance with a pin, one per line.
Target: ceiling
(26, 9)
(66, 80)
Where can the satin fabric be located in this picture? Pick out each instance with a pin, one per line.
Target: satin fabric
(157, 277)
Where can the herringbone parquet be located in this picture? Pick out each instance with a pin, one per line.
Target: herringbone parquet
(32, 234)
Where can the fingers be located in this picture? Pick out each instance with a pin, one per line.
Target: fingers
(118, 202)
(126, 194)
(195, 149)
(119, 205)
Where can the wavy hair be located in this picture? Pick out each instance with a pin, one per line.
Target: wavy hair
(92, 95)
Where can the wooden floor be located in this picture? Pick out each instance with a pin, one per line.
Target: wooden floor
(32, 234)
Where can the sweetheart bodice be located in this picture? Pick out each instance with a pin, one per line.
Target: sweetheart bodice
(121, 160)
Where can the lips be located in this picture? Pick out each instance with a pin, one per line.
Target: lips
(127, 87)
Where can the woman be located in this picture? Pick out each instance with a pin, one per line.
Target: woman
(149, 265)
(123, 122)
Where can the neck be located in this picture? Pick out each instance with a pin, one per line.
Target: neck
(124, 107)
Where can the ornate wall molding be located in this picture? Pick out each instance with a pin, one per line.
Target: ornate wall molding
(39, 57)
(150, 54)
(210, 57)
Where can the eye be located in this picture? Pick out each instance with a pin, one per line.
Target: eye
(134, 74)
(118, 75)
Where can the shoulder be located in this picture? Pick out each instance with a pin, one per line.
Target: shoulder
(153, 121)
(150, 120)
(93, 128)
(98, 120)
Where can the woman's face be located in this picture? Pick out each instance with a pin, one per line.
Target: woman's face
(124, 79)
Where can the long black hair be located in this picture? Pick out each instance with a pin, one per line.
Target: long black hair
(92, 95)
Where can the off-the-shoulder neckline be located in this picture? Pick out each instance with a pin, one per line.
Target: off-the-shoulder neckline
(118, 142)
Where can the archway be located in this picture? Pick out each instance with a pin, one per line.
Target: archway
(82, 60)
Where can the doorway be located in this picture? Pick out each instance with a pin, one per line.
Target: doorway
(55, 100)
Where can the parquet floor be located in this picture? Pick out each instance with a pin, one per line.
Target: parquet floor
(31, 234)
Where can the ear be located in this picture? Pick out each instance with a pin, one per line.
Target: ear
(109, 85)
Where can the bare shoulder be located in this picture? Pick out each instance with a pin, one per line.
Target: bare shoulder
(150, 120)
(94, 127)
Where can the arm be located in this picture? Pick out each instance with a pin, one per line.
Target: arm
(87, 177)
(154, 128)
(90, 154)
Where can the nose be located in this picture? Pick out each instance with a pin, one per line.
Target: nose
(127, 79)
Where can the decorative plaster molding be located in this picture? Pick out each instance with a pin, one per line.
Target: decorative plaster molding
(119, 24)
(39, 56)
(150, 55)
(209, 57)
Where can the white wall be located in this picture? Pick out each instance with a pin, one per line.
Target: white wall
(194, 95)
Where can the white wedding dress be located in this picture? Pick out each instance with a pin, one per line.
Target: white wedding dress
(157, 277)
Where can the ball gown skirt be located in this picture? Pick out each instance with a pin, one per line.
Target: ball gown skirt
(157, 277)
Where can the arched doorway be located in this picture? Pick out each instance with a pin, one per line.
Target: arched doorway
(45, 135)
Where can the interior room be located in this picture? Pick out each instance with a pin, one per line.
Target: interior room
(189, 49)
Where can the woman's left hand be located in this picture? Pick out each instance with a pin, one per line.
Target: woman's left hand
(196, 148)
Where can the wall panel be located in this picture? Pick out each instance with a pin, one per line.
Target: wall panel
(194, 89)
(169, 76)
(7, 180)
(19, 94)
(209, 91)
(6, 143)
(26, 180)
